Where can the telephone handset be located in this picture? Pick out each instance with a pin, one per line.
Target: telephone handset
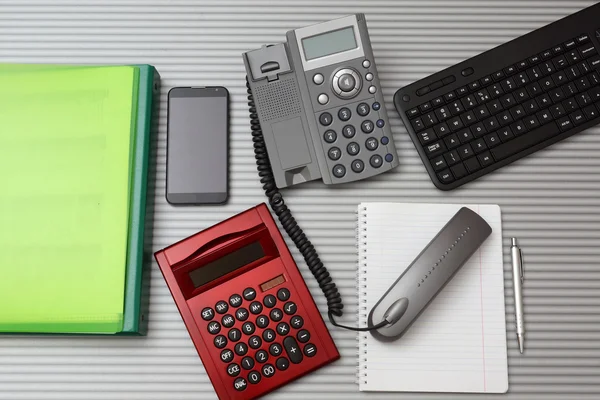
(320, 104)
(317, 111)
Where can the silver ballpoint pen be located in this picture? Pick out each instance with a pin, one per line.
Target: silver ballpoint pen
(517, 267)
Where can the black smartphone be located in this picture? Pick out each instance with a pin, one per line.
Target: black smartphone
(197, 145)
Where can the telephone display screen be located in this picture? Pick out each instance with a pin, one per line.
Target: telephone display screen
(326, 44)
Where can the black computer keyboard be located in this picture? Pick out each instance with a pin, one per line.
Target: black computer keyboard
(486, 112)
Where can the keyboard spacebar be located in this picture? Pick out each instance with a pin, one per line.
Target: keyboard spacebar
(525, 141)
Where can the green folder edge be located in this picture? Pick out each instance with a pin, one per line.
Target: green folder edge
(135, 322)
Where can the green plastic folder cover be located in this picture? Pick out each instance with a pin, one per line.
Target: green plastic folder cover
(65, 147)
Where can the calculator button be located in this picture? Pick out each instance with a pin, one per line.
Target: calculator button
(363, 109)
(262, 321)
(344, 114)
(233, 369)
(282, 363)
(208, 313)
(241, 349)
(234, 335)
(248, 328)
(297, 322)
(268, 335)
(261, 356)
(226, 355)
(283, 294)
(371, 143)
(325, 119)
(303, 336)
(292, 349)
(241, 314)
(268, 370)
(283, 328)
(255, 342)
(357, 166)
(276, 314)
(249, 293)
(329, 136)
(254, 377)
(269, 301)
(222, 307)
(367, 126)
(275, 349)
(339, 171)
(240, 384)
(214, 328)
(310, 350)
(256, 307)
(376, 106)
(334, 153)
(228, 321)
(220, 341)
(247, 362)
(353, 148)
(290, 308)
(235, 300)
(376, 161)
(348, 131)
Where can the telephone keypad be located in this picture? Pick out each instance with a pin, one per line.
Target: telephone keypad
(264, 346)
(353, 148)
(330, 136)
(349, 131)
(344, 114)
(371, 144)
(367, 126)
(363, 109)
(376, 161)
(325, 119)
(339, 171)
(334, 153)
(358, 166)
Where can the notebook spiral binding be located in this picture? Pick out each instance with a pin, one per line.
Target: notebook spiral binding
(361, 243)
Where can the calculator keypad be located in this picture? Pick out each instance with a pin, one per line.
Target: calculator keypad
(265, 343)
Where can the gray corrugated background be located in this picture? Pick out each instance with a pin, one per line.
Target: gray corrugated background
(550, 200)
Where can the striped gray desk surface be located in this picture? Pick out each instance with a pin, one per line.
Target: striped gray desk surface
(550, 200)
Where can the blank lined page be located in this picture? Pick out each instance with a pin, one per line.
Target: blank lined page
(458, 344)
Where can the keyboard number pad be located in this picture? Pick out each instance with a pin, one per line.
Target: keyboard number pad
(271, 337)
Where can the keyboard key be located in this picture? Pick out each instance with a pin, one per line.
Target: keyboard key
(583, 99)
(465, 151)
(587, 51)
(442, 113)
(584, 67)
(492, 140)
(594, 62)
(505, 134)
(468, 118)
(469, 102)
(534, 59)
(495, 106)
(441, 130)
(544, 116)
(570, 44)
(531, 122)
(510, 70)
(525, 141)
(417, 124)
(569, 89)
(546, 54)
(504, 118)
(455, 124)
(517, 112)
(445, 176)
(534, 73)
(546, 68)
(508, 84)
(556, 95)
(521, 79)
(439, 163)
(590, 112)
(479, 145)
(578, 117)
(573, 56)
(583, 38)
(481, 112)
(456, 107)
(498, 75)
(521, 95)
(534, 89)
(486, 80)
(518, 128)
(547, 83)
(461, 91)
(595, 94)
(521, 65)
(451, 141)
(413, 112)
(564, 123)
(438, 101)
(573, 72)
(570, 105)
(474, 86)
(495, 90)
(557, 111)
(427, 136)
(458, 171)
(485, 159)
(472, 164)
(451, 157)
(425, 107)
(478, 129)
(559, 62)
(483, 96)
(543, 101)
(583, 84)
(491, 124)
(530, 107)
(560, 77)
(508, 100)
(465, 136)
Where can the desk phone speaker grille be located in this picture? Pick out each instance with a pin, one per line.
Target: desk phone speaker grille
(278, 99)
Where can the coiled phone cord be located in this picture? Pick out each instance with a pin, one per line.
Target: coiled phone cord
(287, 220)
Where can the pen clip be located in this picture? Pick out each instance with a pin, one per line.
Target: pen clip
(521, 265)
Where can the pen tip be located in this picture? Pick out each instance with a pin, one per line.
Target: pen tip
(521, 343)
(513, 241)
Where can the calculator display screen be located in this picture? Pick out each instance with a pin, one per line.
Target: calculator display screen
(326, 44)
(226, 264)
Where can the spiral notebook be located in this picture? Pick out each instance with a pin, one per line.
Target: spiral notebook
(458, 344)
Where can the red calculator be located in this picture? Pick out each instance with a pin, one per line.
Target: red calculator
(246, 306)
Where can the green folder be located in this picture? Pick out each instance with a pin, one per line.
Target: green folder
(135, 321)
(68, 155)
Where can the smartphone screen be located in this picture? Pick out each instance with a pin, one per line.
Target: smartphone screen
(197, 137)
